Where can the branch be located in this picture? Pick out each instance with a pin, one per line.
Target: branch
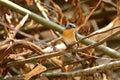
(6, 49)
(65, 51)
(32, 15)
(21, 23)
(87, 18)
(15, 31)
(56, 27)
(88, 71)
(99, 32)
(62, 52)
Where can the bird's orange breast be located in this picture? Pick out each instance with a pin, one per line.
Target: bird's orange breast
(69, 36)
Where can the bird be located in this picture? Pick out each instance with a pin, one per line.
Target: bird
(70, 35)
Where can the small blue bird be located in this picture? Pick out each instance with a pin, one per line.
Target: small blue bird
(70, 34)
(70, 37)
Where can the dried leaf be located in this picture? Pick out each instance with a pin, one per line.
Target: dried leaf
(37, 70)
(29, 2)
(67, 68)
(57, 61)
(111, 25)
(61, 17)
(78, 17)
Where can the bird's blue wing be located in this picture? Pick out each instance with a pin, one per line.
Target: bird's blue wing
(76, 36)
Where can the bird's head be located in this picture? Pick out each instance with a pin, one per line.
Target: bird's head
(70, 25)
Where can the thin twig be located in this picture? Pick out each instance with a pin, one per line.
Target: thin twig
(45, 56)
(21, 23)
(86, 19)
(20, 32)
(101, 41)
(19, 43)
(91, 35)
(88, 71)
(41, 9)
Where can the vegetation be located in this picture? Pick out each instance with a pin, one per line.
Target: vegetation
(32, 47)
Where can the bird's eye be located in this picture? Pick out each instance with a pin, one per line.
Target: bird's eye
(70, 25)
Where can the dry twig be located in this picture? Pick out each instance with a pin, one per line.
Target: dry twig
(88, 71)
